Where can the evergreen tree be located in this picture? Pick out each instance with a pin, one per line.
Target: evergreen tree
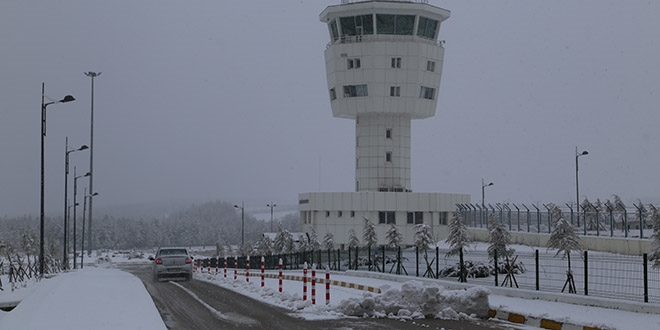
(563, 238)
(329, 241)
(303, 243)
(369, 234)
(655, 238)
(423, 237)
(314, 240)
(394, 237)
(353, 240)
(265, 246)
(458, 236)
(498, 238)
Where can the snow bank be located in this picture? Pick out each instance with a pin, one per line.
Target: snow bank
(416, 300)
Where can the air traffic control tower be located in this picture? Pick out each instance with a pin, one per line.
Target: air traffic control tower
(383, 66)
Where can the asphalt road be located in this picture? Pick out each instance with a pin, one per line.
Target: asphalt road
(226, 309)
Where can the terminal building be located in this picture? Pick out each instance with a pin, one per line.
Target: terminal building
(383, 65)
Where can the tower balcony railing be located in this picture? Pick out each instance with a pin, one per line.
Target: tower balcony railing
(347, 39)
(344, 2)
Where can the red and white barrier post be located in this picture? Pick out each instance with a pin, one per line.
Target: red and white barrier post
(208, 265)
(263, 272)
(327, 286)
(247, 270)
(225, 265)
(280, 275)
(217, 261)
(195, 266)
(305, 282)
(235, 268)
(313, 285)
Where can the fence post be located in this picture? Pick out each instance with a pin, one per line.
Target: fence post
(646, 278)
(338, 260)
(536, 258)
(349, 258)
(495, 261)
(462, 266)
(383, 258)
(357, 251)
(437, 262)
(369, 257)
(417, 261)
(398, 261)
(586, 273)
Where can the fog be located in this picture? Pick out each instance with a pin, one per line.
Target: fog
(227, 100)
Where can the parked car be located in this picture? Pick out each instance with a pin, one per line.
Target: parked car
(172, 263)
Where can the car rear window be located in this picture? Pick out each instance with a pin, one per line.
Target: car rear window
(168, 252)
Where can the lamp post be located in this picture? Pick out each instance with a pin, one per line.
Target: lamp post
(66, 199)
(91, 160)
(242, 207)
(82, 241)
(483, 191)
(75, 203)
(577, 186)
(271, 205)
(67, 98)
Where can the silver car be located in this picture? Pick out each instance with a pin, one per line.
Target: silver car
(173, 263)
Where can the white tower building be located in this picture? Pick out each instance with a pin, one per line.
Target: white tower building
(383, 66)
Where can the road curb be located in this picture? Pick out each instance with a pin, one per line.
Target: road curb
(538, 322)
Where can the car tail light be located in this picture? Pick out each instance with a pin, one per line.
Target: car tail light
(159, 261)
(188, 260)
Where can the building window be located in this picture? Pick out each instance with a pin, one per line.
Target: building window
(395, 24)
(357, 25)
(396, 62)
(415, 218)
(426, 27)
(386, 217)
(333, 94)
(388, 133)
(443, 218)
(427, 93)
(395, 91)
(355, 90)
(352, 214)
(327, 214)
(333, 30)
(430, 66)
(353, 63)
(388, 156)
(339, 214)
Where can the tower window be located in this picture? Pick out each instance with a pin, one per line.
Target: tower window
(355, 90)
(333, 94)
(395, 24)
(388, 133)
(426, 27)
(333, 30)
(443, 218)
(430, 66)
(395, 91)
(353, 63)
(388, 156)
(396, 62)
(427, 93)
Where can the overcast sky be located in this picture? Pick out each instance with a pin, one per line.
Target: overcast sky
(227, 100)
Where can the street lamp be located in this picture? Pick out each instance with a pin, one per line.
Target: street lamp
(271, 205)
(242, 207)
(577, 186)
(75, 203)
(66, 198)
(483, 191)
(66, 99)
(91, 159)
(82, 248)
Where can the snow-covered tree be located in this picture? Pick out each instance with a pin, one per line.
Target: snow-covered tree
(353, 240)
(394, 237)
(423, 237)
(655, 238)
(265, 246)
(283, 242)
(563, 238)
(303, 243)
(369, 234)
(458, 239)
(498, 238)
(329, 241)
(314, 240)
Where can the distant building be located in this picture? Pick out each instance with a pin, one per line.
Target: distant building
(383, 67)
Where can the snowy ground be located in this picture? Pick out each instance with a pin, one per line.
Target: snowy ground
(91, 298)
